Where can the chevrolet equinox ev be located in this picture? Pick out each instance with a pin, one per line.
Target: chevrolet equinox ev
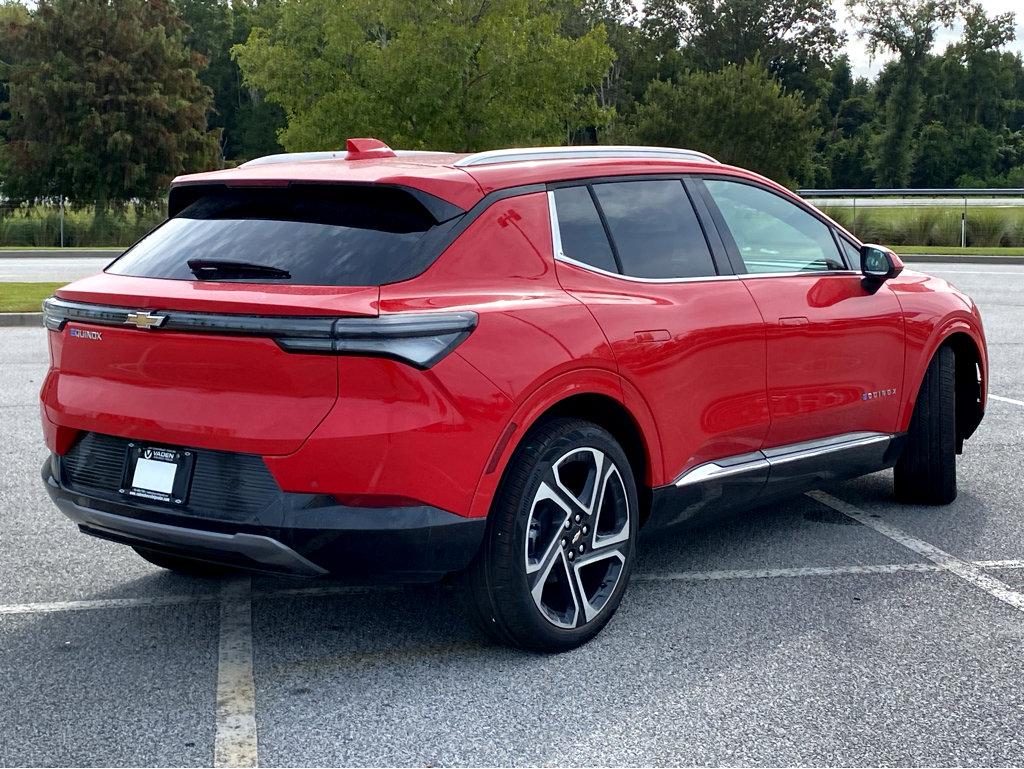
(501, 366)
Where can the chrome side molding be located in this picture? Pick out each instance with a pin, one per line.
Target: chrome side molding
(758, 461)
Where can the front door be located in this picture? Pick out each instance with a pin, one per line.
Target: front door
(835, 346)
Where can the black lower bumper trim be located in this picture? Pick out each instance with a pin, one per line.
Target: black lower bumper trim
(296, 536)
(257, 548)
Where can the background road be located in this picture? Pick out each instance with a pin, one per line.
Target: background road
(842, 630)
(44, 268)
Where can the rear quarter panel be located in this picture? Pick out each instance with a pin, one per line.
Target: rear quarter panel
(534, 342)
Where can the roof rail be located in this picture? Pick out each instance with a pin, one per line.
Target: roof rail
(350, 153)
(527, 154)
(293, 157)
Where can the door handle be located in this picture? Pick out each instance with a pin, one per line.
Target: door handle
(651, 335)
(796, 320)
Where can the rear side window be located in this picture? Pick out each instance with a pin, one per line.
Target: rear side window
(579, 226)
(774, 235)
(655, 229)
(340, 235)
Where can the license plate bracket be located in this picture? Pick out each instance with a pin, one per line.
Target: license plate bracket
(158, 473)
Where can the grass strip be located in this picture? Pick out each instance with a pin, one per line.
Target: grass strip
(26, 297)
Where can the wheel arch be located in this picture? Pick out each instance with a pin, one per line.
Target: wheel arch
(603, 399)
(969, 389)
(611, 415)
(970, 377)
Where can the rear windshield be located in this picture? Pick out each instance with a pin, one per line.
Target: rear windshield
(341, 235)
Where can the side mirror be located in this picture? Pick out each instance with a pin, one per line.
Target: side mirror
(879, 263)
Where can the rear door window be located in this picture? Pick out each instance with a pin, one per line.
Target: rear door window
(654, 229)
(318, 235)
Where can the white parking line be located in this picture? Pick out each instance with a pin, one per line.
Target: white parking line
(968, 572)
(326, 591)
(1006, 400)
(800, 571)
(235, 741)
(105, 603)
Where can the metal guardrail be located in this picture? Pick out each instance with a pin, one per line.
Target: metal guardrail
(953, 193)
(929, 192)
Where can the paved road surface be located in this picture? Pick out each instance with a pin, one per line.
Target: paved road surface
(32, 269)
(794, 635)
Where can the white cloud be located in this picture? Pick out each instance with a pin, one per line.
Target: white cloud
(865, 66)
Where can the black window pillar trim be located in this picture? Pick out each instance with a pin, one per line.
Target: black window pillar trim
(607, 230)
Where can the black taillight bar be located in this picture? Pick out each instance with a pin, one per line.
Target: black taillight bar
(419, 339)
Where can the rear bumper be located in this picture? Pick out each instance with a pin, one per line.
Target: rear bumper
(303, 535)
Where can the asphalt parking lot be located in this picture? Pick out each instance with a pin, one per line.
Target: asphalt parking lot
(836, 629)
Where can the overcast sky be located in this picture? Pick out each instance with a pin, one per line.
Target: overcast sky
(862, 65)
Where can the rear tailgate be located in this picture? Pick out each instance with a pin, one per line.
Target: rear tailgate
(217, 390)
(215, 330)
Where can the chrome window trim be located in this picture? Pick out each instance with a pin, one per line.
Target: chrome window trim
(529, 154)
(802, 273)
(778, 455)
(561, 256)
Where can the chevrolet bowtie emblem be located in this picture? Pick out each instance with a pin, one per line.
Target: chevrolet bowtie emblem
(144, 320)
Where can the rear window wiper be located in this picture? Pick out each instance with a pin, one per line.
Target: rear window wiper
(210, 269)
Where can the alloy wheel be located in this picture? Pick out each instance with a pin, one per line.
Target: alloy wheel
(577, 537)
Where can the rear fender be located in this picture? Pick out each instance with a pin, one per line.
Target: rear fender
(590, 381)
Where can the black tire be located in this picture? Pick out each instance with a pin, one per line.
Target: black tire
(590, 564)
(181, 565)
(926, 470)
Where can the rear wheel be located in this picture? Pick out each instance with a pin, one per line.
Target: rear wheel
(182, 565)
(560, 539)
(926, 471)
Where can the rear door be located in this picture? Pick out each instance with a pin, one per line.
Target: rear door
(835, 347)
(685, 332)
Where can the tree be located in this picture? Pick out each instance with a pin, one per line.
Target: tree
(13, 19)
(795, 39)
(906, 28)
(459, 75)
(638, 57)
(935, 163)
(104, 103)
(248, 124)
(740, 115)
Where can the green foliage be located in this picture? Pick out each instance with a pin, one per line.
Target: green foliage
(795, 39)
(248, 123)
(933, 225)
(105, 105)
(462, 75)
(38, 226)
(906, 28)
(740, 114)
(106, 100)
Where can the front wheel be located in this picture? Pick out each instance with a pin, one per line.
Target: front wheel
(926, 470)
(560, 539)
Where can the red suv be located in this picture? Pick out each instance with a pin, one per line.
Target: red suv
(504, 365)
